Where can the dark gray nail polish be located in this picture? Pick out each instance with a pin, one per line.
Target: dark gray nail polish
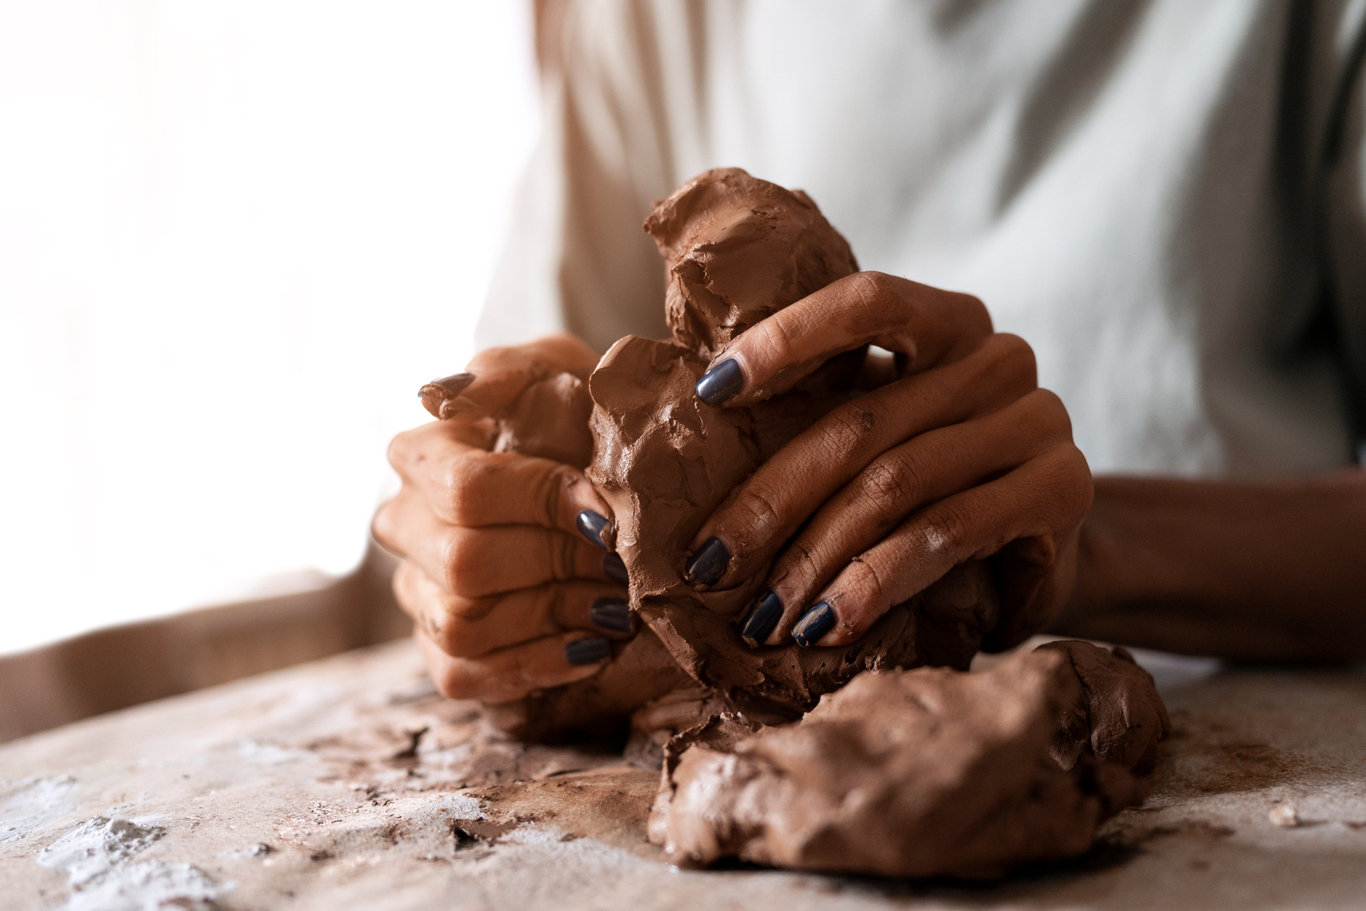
(437, 394)
(593, 527)
(616, 569)
(613, 614)
(814, 624)
(720, 382)
(708, 563)
(759, 622)
(587, 651)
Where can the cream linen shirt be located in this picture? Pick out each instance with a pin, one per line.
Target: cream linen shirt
(1165, 198)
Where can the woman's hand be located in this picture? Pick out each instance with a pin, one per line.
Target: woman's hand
(960, 457)
(497, 570)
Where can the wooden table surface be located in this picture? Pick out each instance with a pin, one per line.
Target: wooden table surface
(347, 783)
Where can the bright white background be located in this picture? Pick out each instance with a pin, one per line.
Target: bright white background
(235, 237)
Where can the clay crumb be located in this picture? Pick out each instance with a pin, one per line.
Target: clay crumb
(414, 738)
(469, 833)
(1286, 815)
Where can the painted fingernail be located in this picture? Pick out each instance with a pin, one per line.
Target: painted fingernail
(613, 614)
(437, 395)
(593, 527)
(720, 382)
(615, 568)
(708, 563)
(759, 622)
(587, 651)
(814, 624)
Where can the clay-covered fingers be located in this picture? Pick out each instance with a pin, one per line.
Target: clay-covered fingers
(512, 673)
(1041, 502)
(914, 478)
(921, 324)
(467, 485)
(475, 562)
(469, 627)
(495, 377)
(755, 521)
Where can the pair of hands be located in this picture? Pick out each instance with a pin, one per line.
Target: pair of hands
(955, 454)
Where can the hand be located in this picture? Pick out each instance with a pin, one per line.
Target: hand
(961, 457)
(507, 594)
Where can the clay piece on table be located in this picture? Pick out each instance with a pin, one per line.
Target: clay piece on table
(738, 249)
(925, 772)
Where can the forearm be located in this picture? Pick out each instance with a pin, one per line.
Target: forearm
(1257, 570)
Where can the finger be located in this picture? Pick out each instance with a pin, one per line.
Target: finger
(901, 481)
(758, 517)
(425, 453)
(475, 562)
(497, 376)
(512, 673)
(468, 627)
(1043, 499)
(921, 324)
(475, 488)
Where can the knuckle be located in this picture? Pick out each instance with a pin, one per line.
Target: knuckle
(1014, 359)
(1047, 417)
(776, 342)
(753, 518)
(801, 567)
(847, 430)
(550, 498)
(871, 287)
(454, 635)
(864, 597)
(888, 481)
(461, 562)
(382, 526)
(973, 307)
(454, 680)
(461, 480)
(564, 555)
(397, 450)
(943, 529)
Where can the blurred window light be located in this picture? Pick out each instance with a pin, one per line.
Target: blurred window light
(234, 240)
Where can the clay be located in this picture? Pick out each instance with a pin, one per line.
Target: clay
(924, 772)
(736, 250)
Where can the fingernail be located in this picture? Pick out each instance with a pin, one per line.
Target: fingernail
(761, 619)
(708, 563)
(437, 393)
(613, 614)
(615, 568)
(587, 651)
(593, 527)
(814, 624)
(720, 382)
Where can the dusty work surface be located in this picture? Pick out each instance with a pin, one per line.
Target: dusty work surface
(349, 784)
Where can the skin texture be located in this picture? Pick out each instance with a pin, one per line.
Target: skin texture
(1254, 570)
(962, 458)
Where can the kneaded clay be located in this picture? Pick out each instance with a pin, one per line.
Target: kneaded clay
(738, 249)
(924, 772)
